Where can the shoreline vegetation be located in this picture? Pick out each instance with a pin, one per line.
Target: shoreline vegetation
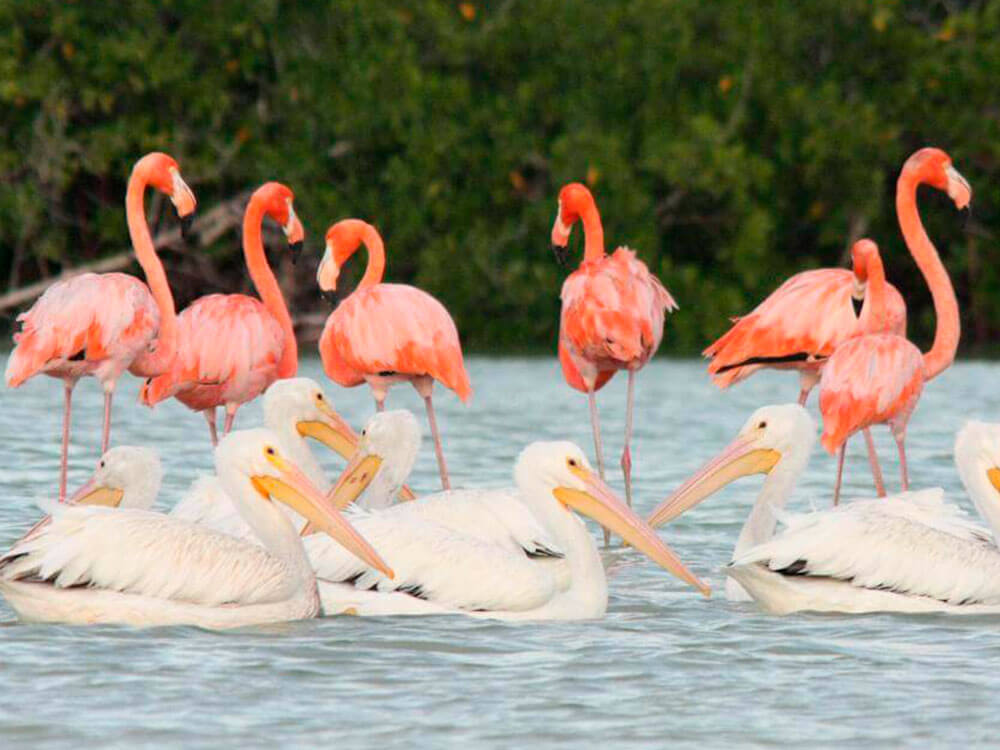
(731, 144)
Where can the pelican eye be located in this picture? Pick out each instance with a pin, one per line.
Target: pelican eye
(101, 464)
(269, 450)
(762, 425)
(572, 462)
(364, 432)
(319, 396)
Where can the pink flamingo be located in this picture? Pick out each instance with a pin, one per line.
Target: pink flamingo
(231, 347)
(102, 324)
(877, 378)
(387, 333)
(613, 310)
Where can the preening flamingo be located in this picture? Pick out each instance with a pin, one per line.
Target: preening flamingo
(612, 314)
(442, 569)
(878, 377)
(387, 333)
(911, 552)
(103, 324)
(231, 347)
(94, 564)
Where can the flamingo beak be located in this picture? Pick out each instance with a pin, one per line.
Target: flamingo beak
(959, 189)
(599, 502)
(94, 494)
(739, 459)
(994, 477)
(328, 271)
(331, 430)
(560, 239)
(295, 233)
(292, 488)
(182, 197)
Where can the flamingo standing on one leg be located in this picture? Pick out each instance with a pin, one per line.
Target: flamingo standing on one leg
(612, 314)
(387, 333)
(103, 324)
(877, 378)
(231, 347)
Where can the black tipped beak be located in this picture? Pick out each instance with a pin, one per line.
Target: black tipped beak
(967, 217)
(296, 250)
(562, 255)
(330, 297)
(187, 223)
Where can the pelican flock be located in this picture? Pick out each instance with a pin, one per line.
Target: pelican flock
(269, 537)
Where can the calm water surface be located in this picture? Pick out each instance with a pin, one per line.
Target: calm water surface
(665, 667)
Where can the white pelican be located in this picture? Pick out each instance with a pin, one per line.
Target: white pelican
(95, 564)
(484, 572)
(294, 409)
(910, 552)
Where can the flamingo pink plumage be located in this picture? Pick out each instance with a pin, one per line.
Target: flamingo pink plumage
(877, 378)
(102, 324)
(231, 347)
(613, 311)
(387, 333)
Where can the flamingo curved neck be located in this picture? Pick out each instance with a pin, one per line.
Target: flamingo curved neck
(946, 334)
(877, 295)
(266, 284)
(376, 257)
(593, 231)
(159, 360)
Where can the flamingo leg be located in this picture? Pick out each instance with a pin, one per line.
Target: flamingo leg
(595, 426)
(379, 404)
(840, 473)
(901, 444)
(212, 429)
(230, 416)
(68, 386)
(425, 386)
(873, 459)
(626, 451)
(106, 433)
(807, 381)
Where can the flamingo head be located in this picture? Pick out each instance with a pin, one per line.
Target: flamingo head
(255, 473)
(933, 166)
(342, 240)
(387, 451)
(162, 172)
(126, 477)
(301, 402)
(574, 198)
(864, 254)
(278, 201)
(771, 434)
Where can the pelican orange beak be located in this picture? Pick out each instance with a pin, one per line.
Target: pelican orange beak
(292, 488)
(357, 475)
(333, 431)
(406, 494)
(739, 459)
(994, 477)
(328, 271)
(599, 502)
(181, 195)
(959, 189)
(94, 494)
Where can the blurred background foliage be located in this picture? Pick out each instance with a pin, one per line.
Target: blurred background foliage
(731, 143)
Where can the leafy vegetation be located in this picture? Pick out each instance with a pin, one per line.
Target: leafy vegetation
(732, 143)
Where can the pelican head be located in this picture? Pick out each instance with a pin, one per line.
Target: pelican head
(127, 476)
(561, 471)
(977, 456)
(387, 451)
(255, 473)
(772, 435)
(301, 401)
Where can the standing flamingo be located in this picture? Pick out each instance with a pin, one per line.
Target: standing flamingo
(612, 314)
(877, 378)
(387, 333)
(103, 324)
(231, 347)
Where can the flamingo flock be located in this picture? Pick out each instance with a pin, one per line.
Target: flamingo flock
(268, 538)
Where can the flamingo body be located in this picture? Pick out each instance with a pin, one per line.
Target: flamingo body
(88, 325)
(613, 310)
(393, 330)
(229, 350)
(798, 326)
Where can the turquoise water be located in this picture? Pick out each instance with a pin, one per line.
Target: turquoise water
(664, 668)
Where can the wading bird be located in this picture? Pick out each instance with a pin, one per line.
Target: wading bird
(911, 552)
(439, 569)
(612, 314)
(878, 377)
(93, 564)
(102, 324)
(231, 347)
(387, 333)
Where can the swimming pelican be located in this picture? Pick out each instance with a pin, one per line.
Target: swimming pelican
(94, 564)
(440, 570)
(911, 552)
